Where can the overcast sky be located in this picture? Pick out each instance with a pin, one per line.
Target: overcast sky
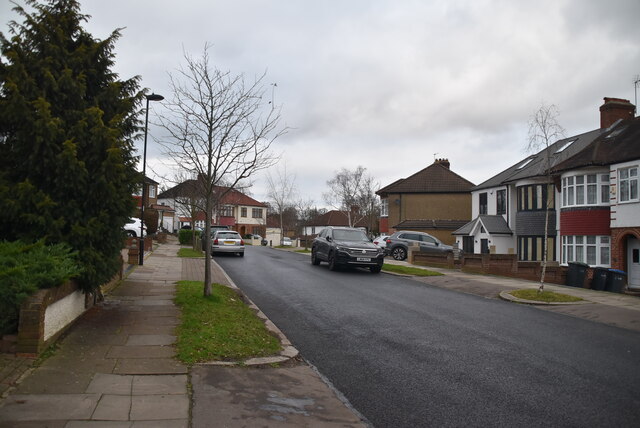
(391, 85)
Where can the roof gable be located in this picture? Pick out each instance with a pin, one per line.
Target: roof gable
(232, 197)
(435, 178)
(334, 218)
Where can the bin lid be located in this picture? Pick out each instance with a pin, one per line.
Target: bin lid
(618, 271)
(579, 264)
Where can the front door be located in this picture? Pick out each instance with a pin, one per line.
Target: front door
(484, 246)
(633, 262)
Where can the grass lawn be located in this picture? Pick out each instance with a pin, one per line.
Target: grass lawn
(220, 327)
(545, 296)
(406, 270)
(189, 252)
(307, 251)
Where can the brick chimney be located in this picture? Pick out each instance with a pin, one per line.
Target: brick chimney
(614, 109)
(444, 162)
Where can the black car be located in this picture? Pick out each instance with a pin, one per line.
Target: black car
(346, 246)
(398, 244)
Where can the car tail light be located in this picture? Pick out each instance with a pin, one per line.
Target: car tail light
(388, 240)
(215, 241)
(242, 242)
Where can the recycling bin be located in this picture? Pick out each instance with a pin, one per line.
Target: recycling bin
(599, 281)
(576, 274)
(615, 280)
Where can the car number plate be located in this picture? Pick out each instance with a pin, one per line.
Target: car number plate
(229, 242)
(364, 259)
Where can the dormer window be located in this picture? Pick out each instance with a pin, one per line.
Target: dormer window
(525, 163)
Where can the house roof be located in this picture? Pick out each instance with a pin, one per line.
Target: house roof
(429, 224)
(620, 143)
(493, 224)
(232, 197)
(436, 178)
(160, 207)
(334, 218)
(535, 165)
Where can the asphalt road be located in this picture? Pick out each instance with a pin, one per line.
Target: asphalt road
(406, 354)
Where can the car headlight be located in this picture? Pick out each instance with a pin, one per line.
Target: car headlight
(339, 248)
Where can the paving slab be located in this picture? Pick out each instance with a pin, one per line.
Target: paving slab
(54, 381)
(160, 384)
(106, 383)
(150, 340)
(141, 352)
(39, 407)
(113, 408)
(149, 366)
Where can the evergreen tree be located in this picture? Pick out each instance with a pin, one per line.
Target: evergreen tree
(67, 123)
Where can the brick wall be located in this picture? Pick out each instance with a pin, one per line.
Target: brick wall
(618, 237)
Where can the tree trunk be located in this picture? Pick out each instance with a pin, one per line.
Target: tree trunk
(207, 249)
(546, 242)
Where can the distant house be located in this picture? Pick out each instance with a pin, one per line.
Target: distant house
(435, 200)
(330, 218)
(235, 209)
(593, 200)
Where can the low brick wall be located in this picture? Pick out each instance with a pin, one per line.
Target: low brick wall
(49, 312)
(495, 264)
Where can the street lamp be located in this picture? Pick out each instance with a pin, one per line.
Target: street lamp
(152, 97)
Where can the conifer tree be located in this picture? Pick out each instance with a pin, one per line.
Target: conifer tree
(67, 123)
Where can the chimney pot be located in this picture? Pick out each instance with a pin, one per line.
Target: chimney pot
(444, 162)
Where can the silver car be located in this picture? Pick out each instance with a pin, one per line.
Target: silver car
(227, 241)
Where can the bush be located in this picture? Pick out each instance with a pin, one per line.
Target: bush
(25, 268)
(185, 236)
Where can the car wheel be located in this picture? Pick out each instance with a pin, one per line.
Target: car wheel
(314, 258)
(241, 254)
(332, 262)
(399, 253)
(375, 269)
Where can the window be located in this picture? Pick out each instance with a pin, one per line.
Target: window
(243, 212)
(533, 197)
(226, 211)
(531, 248)
(628, 183)
(152, 191)
(592, 250)
(501, 202)
(565, 145)
(256, 230)
(384, 207)
(586, 189)
(525, 163)
(256, 212)
(483, 203)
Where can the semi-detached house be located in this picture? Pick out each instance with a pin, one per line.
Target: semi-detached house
(592, 201)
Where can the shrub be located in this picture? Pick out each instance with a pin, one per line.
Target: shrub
(25, 268)
(185, 236)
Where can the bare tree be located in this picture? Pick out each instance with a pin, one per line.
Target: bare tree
(281, 191)
(351, 192)
(544, 130)
(221, 128)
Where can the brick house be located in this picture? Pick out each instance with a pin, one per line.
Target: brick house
(235, 209)
(330, 218)
(435, 200)
(593, 201)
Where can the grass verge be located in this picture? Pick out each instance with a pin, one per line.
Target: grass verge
(189, 252)
(545, 296)
(307, 251)
(406, 270)
(220, 327)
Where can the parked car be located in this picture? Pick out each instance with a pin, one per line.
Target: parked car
(132, 228)
(214, 229)
(286, 241)
(346, 246)
(227, 241)
(398, 244)
(380, 241)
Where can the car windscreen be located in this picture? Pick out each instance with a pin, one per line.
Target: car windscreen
(227, 235)
(349, 235)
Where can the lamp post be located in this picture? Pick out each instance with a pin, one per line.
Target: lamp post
(152, 97)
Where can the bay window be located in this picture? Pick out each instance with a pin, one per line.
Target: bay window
(583, 190)
(592, 250)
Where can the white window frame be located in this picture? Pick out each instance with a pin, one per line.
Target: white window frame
(384, 207)
(152, 190)
(575, 189)
(591, 249)
(628, 180)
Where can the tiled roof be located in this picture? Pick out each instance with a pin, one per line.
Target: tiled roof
(536, 167)
(493, 224)
(233, 197)
(621, 143)
(435, 178)
(334, 218)
(429, 224)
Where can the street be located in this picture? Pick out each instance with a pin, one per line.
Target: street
(406, 354)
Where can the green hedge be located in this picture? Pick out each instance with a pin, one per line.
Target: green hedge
(185, 236)
(25, 268)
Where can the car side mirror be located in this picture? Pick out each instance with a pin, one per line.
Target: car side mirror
(328, 239)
